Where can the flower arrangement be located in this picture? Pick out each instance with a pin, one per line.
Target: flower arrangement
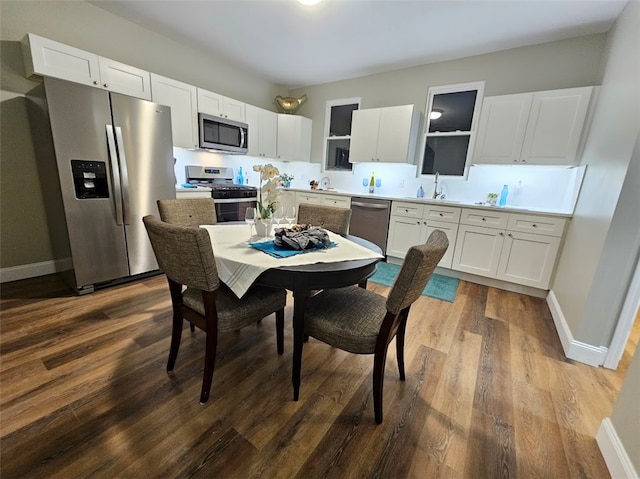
(268, 192)
(285, 179)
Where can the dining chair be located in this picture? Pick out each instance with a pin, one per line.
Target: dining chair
(360, 321)
(331, 218)
(185, 255)
(188, 211)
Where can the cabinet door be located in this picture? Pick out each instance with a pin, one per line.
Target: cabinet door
(364, 135)
(555, 126)
(502, 128)
(263, 131)
(221, 106)
(294, 138)
(395, 134)
(477, 250)
(404, 232)
(451, 230)
(528, 259)
(47, 57)
(182, 98)
(125, 79)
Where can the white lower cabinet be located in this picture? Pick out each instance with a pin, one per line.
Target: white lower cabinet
(411, 224)
(517, 248)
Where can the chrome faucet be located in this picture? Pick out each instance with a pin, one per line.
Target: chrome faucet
(436, 193)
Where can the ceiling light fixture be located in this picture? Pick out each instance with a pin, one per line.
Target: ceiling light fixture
(435, 114)
(309, 2)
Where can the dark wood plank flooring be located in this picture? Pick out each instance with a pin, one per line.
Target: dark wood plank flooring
(489, 393)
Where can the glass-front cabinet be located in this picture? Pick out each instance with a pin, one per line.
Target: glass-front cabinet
(338, 133)
(451, 120)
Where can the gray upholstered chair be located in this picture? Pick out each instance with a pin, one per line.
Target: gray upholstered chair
(188, 211)
(331, 218)
(185, 255)
(360, 321)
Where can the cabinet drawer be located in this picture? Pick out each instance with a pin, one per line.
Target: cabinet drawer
(338, 201)
(486, 218)
(447, 214)
(313, 198)
(542, 225)
(409, 210)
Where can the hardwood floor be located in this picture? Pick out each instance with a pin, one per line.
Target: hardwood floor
(84, 393)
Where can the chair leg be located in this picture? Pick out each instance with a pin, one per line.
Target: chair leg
(192, 327)
(400, 347)
(280, 330)
(176, 335)
(379, 361)
(209, 363)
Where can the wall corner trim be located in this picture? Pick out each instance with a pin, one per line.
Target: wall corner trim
(32, 270)
(573, 349)
(613, 452)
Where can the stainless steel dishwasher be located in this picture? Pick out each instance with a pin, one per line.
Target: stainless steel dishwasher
(370, 220)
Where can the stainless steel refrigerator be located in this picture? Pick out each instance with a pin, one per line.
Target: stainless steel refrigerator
(114, 160)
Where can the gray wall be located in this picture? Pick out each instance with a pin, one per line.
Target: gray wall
(579, 283)
(563, 64)
(23, 216)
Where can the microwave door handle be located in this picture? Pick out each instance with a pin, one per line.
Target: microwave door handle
(243, 138)
(115, 169)
(125, 178)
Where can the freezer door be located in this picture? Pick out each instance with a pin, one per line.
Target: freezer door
(145, 151)
(78, 115)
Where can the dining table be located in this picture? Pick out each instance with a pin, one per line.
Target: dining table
(240, 261)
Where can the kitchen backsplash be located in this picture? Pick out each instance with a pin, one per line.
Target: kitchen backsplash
(547, 188)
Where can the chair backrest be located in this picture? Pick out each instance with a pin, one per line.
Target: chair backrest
(416, 270)
(188, 211)
(184, 253)
(331, 218)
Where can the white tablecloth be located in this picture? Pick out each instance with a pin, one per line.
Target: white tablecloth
(239, 264)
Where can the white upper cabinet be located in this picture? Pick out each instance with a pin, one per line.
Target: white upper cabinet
(50, 58)
(384, 134)
(221, 106)
(294, 138)
(182, 98)
(263, 131)
(543, 128)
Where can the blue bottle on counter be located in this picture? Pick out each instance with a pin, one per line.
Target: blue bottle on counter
(240, 177)
(503, 196)
(420, 192)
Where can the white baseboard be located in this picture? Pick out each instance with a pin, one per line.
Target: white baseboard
(614, 453)
(24, 271)
(576, 350)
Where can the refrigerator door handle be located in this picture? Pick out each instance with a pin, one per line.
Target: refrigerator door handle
(125, 177)
(117, 192)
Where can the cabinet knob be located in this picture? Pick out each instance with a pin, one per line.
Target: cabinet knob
(441, 214)
(484, 219)
(509, 235)
(534, 225)
(95, 82)
(501, 233)
(105, 85)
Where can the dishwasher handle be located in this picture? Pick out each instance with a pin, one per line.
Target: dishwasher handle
(376, 206)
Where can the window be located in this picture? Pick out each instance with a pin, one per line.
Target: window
(338, 133)
(451, 118)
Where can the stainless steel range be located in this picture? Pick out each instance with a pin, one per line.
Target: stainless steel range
(231, 200)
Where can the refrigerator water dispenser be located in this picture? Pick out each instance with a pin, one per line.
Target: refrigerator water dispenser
(90, 179)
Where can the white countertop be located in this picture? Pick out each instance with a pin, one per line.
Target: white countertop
(509, 208)
(197, 188)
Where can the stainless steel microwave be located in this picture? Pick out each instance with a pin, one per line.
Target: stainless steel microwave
(222, 134)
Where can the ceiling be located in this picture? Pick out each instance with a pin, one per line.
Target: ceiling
(293, 45)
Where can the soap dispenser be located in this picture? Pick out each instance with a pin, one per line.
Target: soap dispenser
(420, 193)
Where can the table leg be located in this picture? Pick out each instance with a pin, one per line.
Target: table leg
(299, 302)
